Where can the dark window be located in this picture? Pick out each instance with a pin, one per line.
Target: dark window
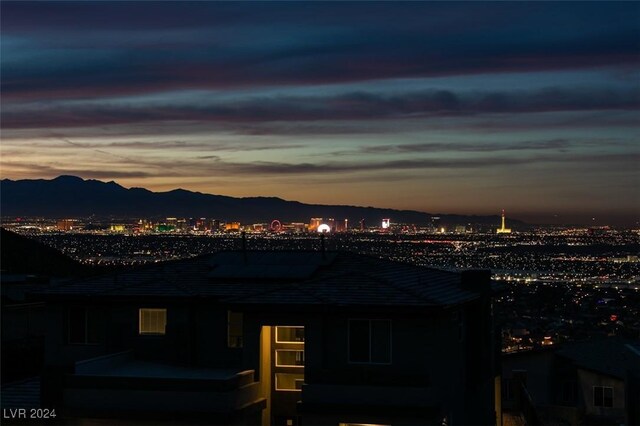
(359, 341)
(381, 342)
(602, 396)
(370, 341)
(83, 327)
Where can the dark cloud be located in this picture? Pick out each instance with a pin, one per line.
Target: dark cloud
(352, 106)
(216, 166)
(257, 133)
(76, 50)
(627, 161)
(53, 171)
(409, 16)
(214, 79)
(553, 144)
(190, 146)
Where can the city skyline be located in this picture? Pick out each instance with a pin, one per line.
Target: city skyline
(462, 108)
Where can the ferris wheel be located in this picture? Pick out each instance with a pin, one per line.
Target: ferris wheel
(276, 226)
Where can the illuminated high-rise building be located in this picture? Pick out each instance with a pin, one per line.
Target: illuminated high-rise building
(201, 224)
(342, 225)
(386, 223)
(66, 225)
(314, 223)
(503, 229)
(145, 225)
(298, 227)
(117, 228)
(182, 225)
(232, 226)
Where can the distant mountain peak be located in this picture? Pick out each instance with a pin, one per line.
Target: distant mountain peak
(72, 196)
(68, 178)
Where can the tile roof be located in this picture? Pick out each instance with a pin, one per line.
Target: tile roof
(611, 356)
(22, 394)
(282, 277)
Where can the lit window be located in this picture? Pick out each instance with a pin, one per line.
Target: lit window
(234, 329)
(289, 358)
(153, 321)
(289, 382)
(602, 396)
(290, 334)
(370, 341)
(83, 328)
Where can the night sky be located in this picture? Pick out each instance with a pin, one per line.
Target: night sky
(440, 107)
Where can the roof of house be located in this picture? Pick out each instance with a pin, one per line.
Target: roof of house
(282, 277)
(613, 356)
(22, 394)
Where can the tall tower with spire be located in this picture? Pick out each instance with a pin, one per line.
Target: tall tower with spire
(503, 229)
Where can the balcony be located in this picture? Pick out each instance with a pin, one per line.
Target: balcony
(119, 386)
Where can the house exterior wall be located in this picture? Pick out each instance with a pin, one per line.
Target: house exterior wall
(415, 342)
(587, 380)
(21, 321)
(211, 348)
(23, 331)
(195, 334)
(428, 362)
(58, 350)
(537, 368)
(427, 380)
(547, 373)
(428, 359)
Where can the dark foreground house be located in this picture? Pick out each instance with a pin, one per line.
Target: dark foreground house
(594, 382)
(26, 266)
(274, 337)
